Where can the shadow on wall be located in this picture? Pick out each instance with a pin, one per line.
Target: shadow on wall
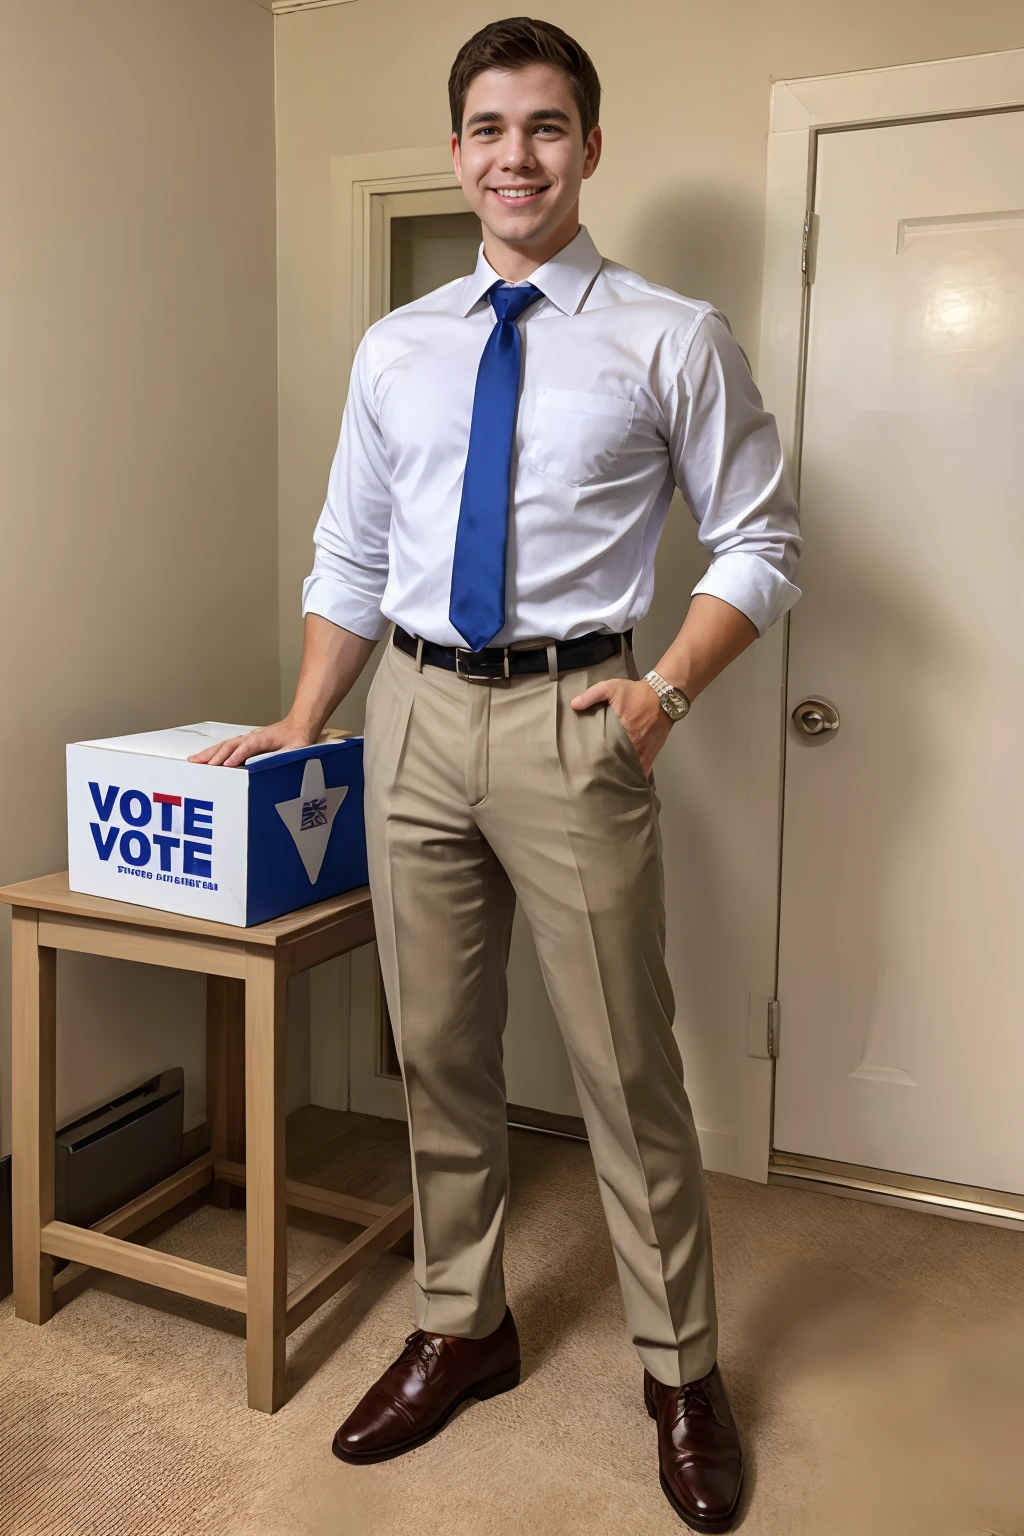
(701, 785)
(707, 244)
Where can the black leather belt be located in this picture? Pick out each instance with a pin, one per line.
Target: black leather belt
(498, 663)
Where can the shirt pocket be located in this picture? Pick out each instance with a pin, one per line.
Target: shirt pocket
(574, 436)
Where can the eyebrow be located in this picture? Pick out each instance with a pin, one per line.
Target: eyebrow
(543, 114)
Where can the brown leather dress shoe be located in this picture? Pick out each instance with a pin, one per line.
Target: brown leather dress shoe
(417, 1395)
(699, 1450)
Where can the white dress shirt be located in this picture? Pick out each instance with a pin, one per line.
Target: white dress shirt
(629, 390)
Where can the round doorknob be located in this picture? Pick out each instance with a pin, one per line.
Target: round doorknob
(814, 717)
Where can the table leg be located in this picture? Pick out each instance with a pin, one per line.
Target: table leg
(33, 1113)
(225, 1079)
(266, 997)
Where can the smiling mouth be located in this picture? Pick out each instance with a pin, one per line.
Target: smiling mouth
(516, 195)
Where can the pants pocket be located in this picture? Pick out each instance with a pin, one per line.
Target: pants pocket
(622, 747)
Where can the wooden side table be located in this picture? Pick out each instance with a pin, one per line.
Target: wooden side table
(247, 975)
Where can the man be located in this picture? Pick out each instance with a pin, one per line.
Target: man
(508, 453)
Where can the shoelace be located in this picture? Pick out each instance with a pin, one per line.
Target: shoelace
(422, 1347)
(693, 1398)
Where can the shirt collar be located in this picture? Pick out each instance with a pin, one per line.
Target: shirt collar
(564, 279)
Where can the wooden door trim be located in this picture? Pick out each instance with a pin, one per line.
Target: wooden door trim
(800, 111)
(359, 185)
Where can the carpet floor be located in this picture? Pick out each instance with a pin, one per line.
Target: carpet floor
(874, 1356)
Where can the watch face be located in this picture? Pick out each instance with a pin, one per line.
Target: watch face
(673, 701)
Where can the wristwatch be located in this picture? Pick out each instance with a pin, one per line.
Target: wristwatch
(673, 700)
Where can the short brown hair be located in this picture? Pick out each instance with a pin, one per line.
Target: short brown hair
(516, 43)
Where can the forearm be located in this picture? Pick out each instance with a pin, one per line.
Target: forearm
(714, 633)
(332, 659)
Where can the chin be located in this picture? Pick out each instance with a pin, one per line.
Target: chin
(519, 230)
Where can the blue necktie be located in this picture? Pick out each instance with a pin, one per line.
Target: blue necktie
(477, 607)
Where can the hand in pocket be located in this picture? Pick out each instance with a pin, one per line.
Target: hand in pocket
(637, 709)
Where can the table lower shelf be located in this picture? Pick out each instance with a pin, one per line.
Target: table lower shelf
(104, 1245)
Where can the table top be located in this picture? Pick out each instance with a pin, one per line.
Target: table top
(51, 893)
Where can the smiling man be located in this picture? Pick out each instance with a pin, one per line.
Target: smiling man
(508, 453)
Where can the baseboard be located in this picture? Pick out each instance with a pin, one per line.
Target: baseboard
(6, 1263)
(523, 1119)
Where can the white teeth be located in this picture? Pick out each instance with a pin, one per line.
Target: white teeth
(517, 191)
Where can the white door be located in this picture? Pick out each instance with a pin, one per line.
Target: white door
(902, 1035)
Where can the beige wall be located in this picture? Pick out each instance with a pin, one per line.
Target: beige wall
(138, 439)
(680, 196)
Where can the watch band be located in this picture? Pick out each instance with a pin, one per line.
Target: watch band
(672, 700)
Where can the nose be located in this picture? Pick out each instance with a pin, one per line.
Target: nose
(518, 152)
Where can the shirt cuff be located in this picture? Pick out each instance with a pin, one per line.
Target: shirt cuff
(355, 611)
(750, 584)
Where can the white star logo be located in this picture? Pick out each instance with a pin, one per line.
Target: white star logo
(310, 818)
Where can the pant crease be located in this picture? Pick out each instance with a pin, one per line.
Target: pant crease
(670, 1312)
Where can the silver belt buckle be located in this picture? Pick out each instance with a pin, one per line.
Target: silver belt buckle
(470, 666)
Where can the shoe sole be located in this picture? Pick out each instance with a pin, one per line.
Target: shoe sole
(703, 1525)
(482, 1390)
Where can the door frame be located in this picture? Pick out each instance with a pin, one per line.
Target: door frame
(367, 192)
(801, 110)
(360, 184)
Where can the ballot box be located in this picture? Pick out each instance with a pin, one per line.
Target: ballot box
(235, 845)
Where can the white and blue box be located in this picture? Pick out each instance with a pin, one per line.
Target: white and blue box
(235, 845)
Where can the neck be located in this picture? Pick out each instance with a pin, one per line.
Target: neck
(516, 262)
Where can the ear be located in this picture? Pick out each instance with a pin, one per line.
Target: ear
(457, 157)
(592, 152)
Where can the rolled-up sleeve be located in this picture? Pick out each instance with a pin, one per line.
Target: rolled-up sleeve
(350, 570)
(727, 461)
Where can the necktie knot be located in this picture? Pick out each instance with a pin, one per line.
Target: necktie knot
(509, 303)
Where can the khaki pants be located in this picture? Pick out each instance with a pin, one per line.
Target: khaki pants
(478, 797)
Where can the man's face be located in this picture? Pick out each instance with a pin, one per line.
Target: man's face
(522, 158)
